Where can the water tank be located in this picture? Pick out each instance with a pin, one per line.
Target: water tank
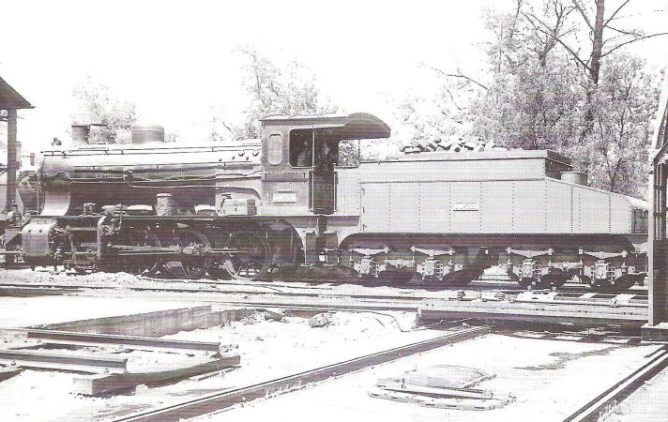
(147, 134)
(574, 177)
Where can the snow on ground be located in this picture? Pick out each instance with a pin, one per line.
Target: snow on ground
(550, 379)
(268, 349)
(647, 404)
(54, 390)
(23, 312)
(272, 349)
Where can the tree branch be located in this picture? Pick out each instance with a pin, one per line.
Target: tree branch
(452, 98)
(615, 13)
(580, 9)
(633, 33)
(617, 47)
(531, 17)
(460, 75)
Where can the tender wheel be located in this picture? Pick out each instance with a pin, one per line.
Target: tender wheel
(585, 280)
(250, 259)
(525, 281)
(192, 265)
(460, 278)
(546, 282)
(622, 283)
(552, 280)
(395, 277)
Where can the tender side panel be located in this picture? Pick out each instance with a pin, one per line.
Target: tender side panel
(465, 206)
(591, 211)
(403, 197)
(528, 207)
(522, 206)
(559, 206)
(348, 191)
(434, 206)
(376, 208)
(497, 211)
(621, 215)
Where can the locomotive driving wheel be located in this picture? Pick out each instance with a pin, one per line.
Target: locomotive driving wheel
(137, 264)
(250, 257)
(192, 264)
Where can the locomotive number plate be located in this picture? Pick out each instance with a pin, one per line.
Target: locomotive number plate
(285, 197)
(466, 206)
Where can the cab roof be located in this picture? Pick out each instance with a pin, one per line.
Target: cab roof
(351, 126)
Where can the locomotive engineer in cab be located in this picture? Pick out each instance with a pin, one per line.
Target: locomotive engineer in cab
(301, 151)
(327, 155)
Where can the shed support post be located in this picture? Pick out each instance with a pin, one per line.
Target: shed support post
(11, 159)
(656, 329)
(656, 251)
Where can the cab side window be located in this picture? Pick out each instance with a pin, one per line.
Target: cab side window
(301, 148)
(275, 149)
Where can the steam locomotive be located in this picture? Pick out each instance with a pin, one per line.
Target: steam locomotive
(301, 197)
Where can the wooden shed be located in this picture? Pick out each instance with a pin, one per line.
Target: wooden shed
(10, 102)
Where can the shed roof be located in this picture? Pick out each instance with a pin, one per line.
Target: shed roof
(10, 99)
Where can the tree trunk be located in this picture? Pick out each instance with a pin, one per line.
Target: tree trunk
(597, 46)
(594, 69)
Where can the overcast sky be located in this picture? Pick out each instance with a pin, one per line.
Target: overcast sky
(176, 60)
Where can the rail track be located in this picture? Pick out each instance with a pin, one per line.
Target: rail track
(259, 291)
(302, 287)
(220, 401)
(601, 405)
(334, 297)
(226, 399)
(572, 305)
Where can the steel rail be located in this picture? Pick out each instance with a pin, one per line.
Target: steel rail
(415, 296)
(606, 401)
(82, 287)
(582, 313)
(225, 399)
(73, 288)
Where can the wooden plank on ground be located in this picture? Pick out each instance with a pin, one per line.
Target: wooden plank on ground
(100, 384)
(35, 359)
(8, 372)
(470, 393)
(117, 339)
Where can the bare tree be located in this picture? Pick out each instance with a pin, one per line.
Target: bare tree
(547, 88)
(597, 25)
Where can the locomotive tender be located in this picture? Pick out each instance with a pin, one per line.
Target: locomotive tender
(298, 197)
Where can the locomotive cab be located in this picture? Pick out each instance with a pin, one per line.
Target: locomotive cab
(301, 156)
